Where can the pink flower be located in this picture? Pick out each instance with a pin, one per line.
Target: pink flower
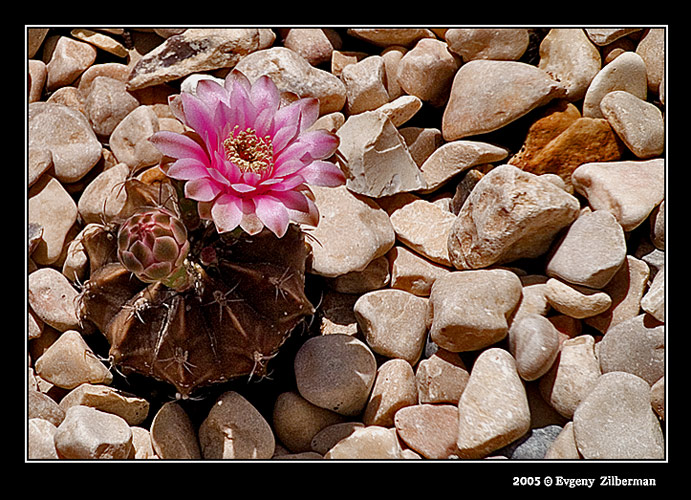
(255, 159)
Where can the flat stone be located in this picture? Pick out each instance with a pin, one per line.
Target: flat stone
(87, 433)
(638, 123)
(107, 103)
(481, 90)
(394, 388)
(335, 372)
(195, 51)
(478, 317)
(651, 48)
(576, 301)
(352, 232)
(634, 346)
(653, 302)
(534, 344)
(441, 378)
(572, 376)
(40, 435)
(234, 428)
(68, 135)
(173, 435)
(616, 422)
(373, 277)
(412, 272)
(627, 72)
(420, 225)
(297, 422)
(630, 190)
(384, 37)
(394, 323)
(53, 299)
(493, 409)
(292, 73)
(591, 252)
(129, 407)
(510, 214)
(430, 430)
(53, 209)
(69, 59)
(130, 143)
(367, 443)
(455, 157)
(392, 57)
(364, 83)
(568, 55)
(377, 160)
(326, 438)
(502, 44)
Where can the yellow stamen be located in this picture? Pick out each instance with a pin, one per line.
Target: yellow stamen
(248, 151)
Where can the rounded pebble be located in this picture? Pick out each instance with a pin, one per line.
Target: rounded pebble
(534, 343)
(87, 433)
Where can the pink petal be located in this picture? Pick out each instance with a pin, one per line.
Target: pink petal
(300, 207)
(323, 144)
(178, 146)
(235, 78)
(295, 151)
(323, 173)
(199, 117)
(287, 167)
(186, 169)
(201, 189)
(211, 92)
(273, 214)
(175, 105)
(309, 112)
(250, 223)
(287, 184)
(283, 136)
(240, 102)
(241, 187)
(226, 213)
(265, 95)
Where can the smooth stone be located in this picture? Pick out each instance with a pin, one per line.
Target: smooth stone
(130, 143)
(40, 440)
(394, 388)
(292, 73)
(501, 44)
(392, 57)
(364, 83)
(116, 71)
(634, 346)
(616, 422)
(53, 299)
(627, 72)
(103, 197)
(534, 445)
(384, 37)
(68, 135)
(412, 272)
(605, 36)
(37, 79)
(394, 323)
(69, 59)
(42, 406)
(572, 376)
(591, 252)
(373, 277)
(487, 95)
(326, 438)
(427, 70)
(441, 378)
(234, 428)
(377, 161)
(576, 301)
(430, 430)
(455, 157)
(51, 207)
(367, 443)
(571, 58)
(189, 84)
(493, 409)
(173, 435)
(87, 433)
(141, 444)
(657, 397)
(651, 48)
(131, 408)
(107, 103)
(400, 110)
(510, 214)
(630, 190)
(196, 51)
(335, 372)
(39, 161)
(653, 302)
(352, 232)
(314, 44)
(534, 344)
(639, 124)
(296, 421)
(100, 41)
(478, 317)
(657, 226)
(564, 445)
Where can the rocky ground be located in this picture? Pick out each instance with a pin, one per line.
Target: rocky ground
(489, 282)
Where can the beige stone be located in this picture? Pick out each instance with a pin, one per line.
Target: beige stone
(69, 59)
(364, 82)
(576, 301)
(367, 443)
(87, 433)
(441, 378)
(430, 430)
(427, 70)
(412, 272)
(172, 434)
(131, 408)
(40, 440)
(638, 123)
(385, 37)
(657, 397)
(314, 44)
(373, 277)
(100, 41)
(534, 344)
(401, 109)
(53, 299)
(130, 139)
(652, 49)
(326, 438)
(107, 103)
(394, 388)
(503, 44)
(653, 302)
(564, 446)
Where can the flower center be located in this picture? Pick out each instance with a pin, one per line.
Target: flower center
(249, 152)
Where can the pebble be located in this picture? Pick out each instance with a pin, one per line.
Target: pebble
(337, 313)
(430, 430)
(352, 231)
(394, 323)
(534, 344)
(510, 214)
(107, 103)
(326, 438)
(564, 445)
(367, 443)
(51, 207)
(373, 277)
(234, 428)
(196, 51)
(292, 73)
(377, 160)
(39, 161)
(637, 122)
(421, 142)
(627, 72)
(103, 198)
(657, 226)
(69, 60)
(335, 372)
(42, 406)
(384, 37)
(657, 397)
(392, 57)
(591, 252)
(88, 433)
(441, 378)
(315, 45)
(532, 446)
(40, 435)
(364, 83)
(52, 298)
(630, 190)
(412, 272)
(605, 36)
(478, 317)
(141, 443)
(37, 79)
(487, 95)
(616, 422)
(493, 409)
(653, 302)
(129, 407)
(100, 41)
(116, 71)
(571, 58)
(394, 388)
(399, 111)
(130, 143)
(297, 422)
(576, 301)
(172, 434)
(634, 346)
(572, 376)
(504, 44)
(651, 48)
(68, 135)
